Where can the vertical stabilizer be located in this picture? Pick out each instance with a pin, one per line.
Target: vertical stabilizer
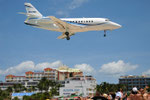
(32, 11)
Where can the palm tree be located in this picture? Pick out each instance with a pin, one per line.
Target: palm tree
(46, 84)
(0, 91)
(43, 84)
(16, 98)
(18, 87)
(9, 89)
(107, 88)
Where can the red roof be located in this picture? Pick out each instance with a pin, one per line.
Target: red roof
(19, 76)
(10, 76)
(29, 72)
(48, 69)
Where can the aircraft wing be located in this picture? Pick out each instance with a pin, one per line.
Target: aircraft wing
(64, 27)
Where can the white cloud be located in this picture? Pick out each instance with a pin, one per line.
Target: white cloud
(41, 66)
(70, 6)
(76, 3)
(146, 72)
(29, 66)
(117, 68)
(85, 68)
(19, 69)
(63, 13)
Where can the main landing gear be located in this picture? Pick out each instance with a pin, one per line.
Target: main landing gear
(67, 34)
(104, 33)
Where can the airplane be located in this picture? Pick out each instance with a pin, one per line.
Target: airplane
(68, 26)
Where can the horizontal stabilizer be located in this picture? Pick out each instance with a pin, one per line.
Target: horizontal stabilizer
(27, 14)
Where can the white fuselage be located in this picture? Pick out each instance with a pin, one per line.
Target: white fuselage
(68, 26)
(87, 24)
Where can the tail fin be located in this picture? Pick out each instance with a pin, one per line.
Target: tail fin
(32, 11)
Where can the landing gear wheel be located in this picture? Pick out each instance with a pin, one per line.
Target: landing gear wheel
(68, 38)
(67, 34)
(104, 33)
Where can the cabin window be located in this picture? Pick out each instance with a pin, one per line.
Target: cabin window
(86, 21)
(76, 21)
(81, 21)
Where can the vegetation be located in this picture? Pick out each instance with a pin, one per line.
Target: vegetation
(4, 95)
(107, 88)
(18, 88)
(50, 88)
(47, 87)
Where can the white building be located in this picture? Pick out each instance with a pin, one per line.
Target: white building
(85, 86)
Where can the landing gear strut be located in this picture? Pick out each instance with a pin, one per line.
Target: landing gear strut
(104, 33)
(67, 34)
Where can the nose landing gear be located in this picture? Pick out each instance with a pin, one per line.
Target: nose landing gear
(104, 33)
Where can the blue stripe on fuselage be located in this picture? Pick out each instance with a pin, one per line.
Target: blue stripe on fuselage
(83, 24)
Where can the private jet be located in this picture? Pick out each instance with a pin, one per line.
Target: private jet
(68, 26)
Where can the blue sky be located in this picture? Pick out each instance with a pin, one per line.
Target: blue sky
(125, 51)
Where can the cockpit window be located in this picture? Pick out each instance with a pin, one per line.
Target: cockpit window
(107, 20)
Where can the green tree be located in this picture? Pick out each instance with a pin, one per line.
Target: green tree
(46, 85)
(18, 87)
(9, 89)
(4, 95)
(107, 88)
(16, 98)
(43, 84)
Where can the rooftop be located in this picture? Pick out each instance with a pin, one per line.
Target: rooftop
(67, 69)
(135, 76)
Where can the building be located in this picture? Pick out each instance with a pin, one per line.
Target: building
(13, 78)
(62, 73)
(134, 81)
(85, 86)
(5, 85)
(65, 72)
(32, 78)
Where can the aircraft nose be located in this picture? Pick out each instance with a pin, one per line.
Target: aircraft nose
(117, 25)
